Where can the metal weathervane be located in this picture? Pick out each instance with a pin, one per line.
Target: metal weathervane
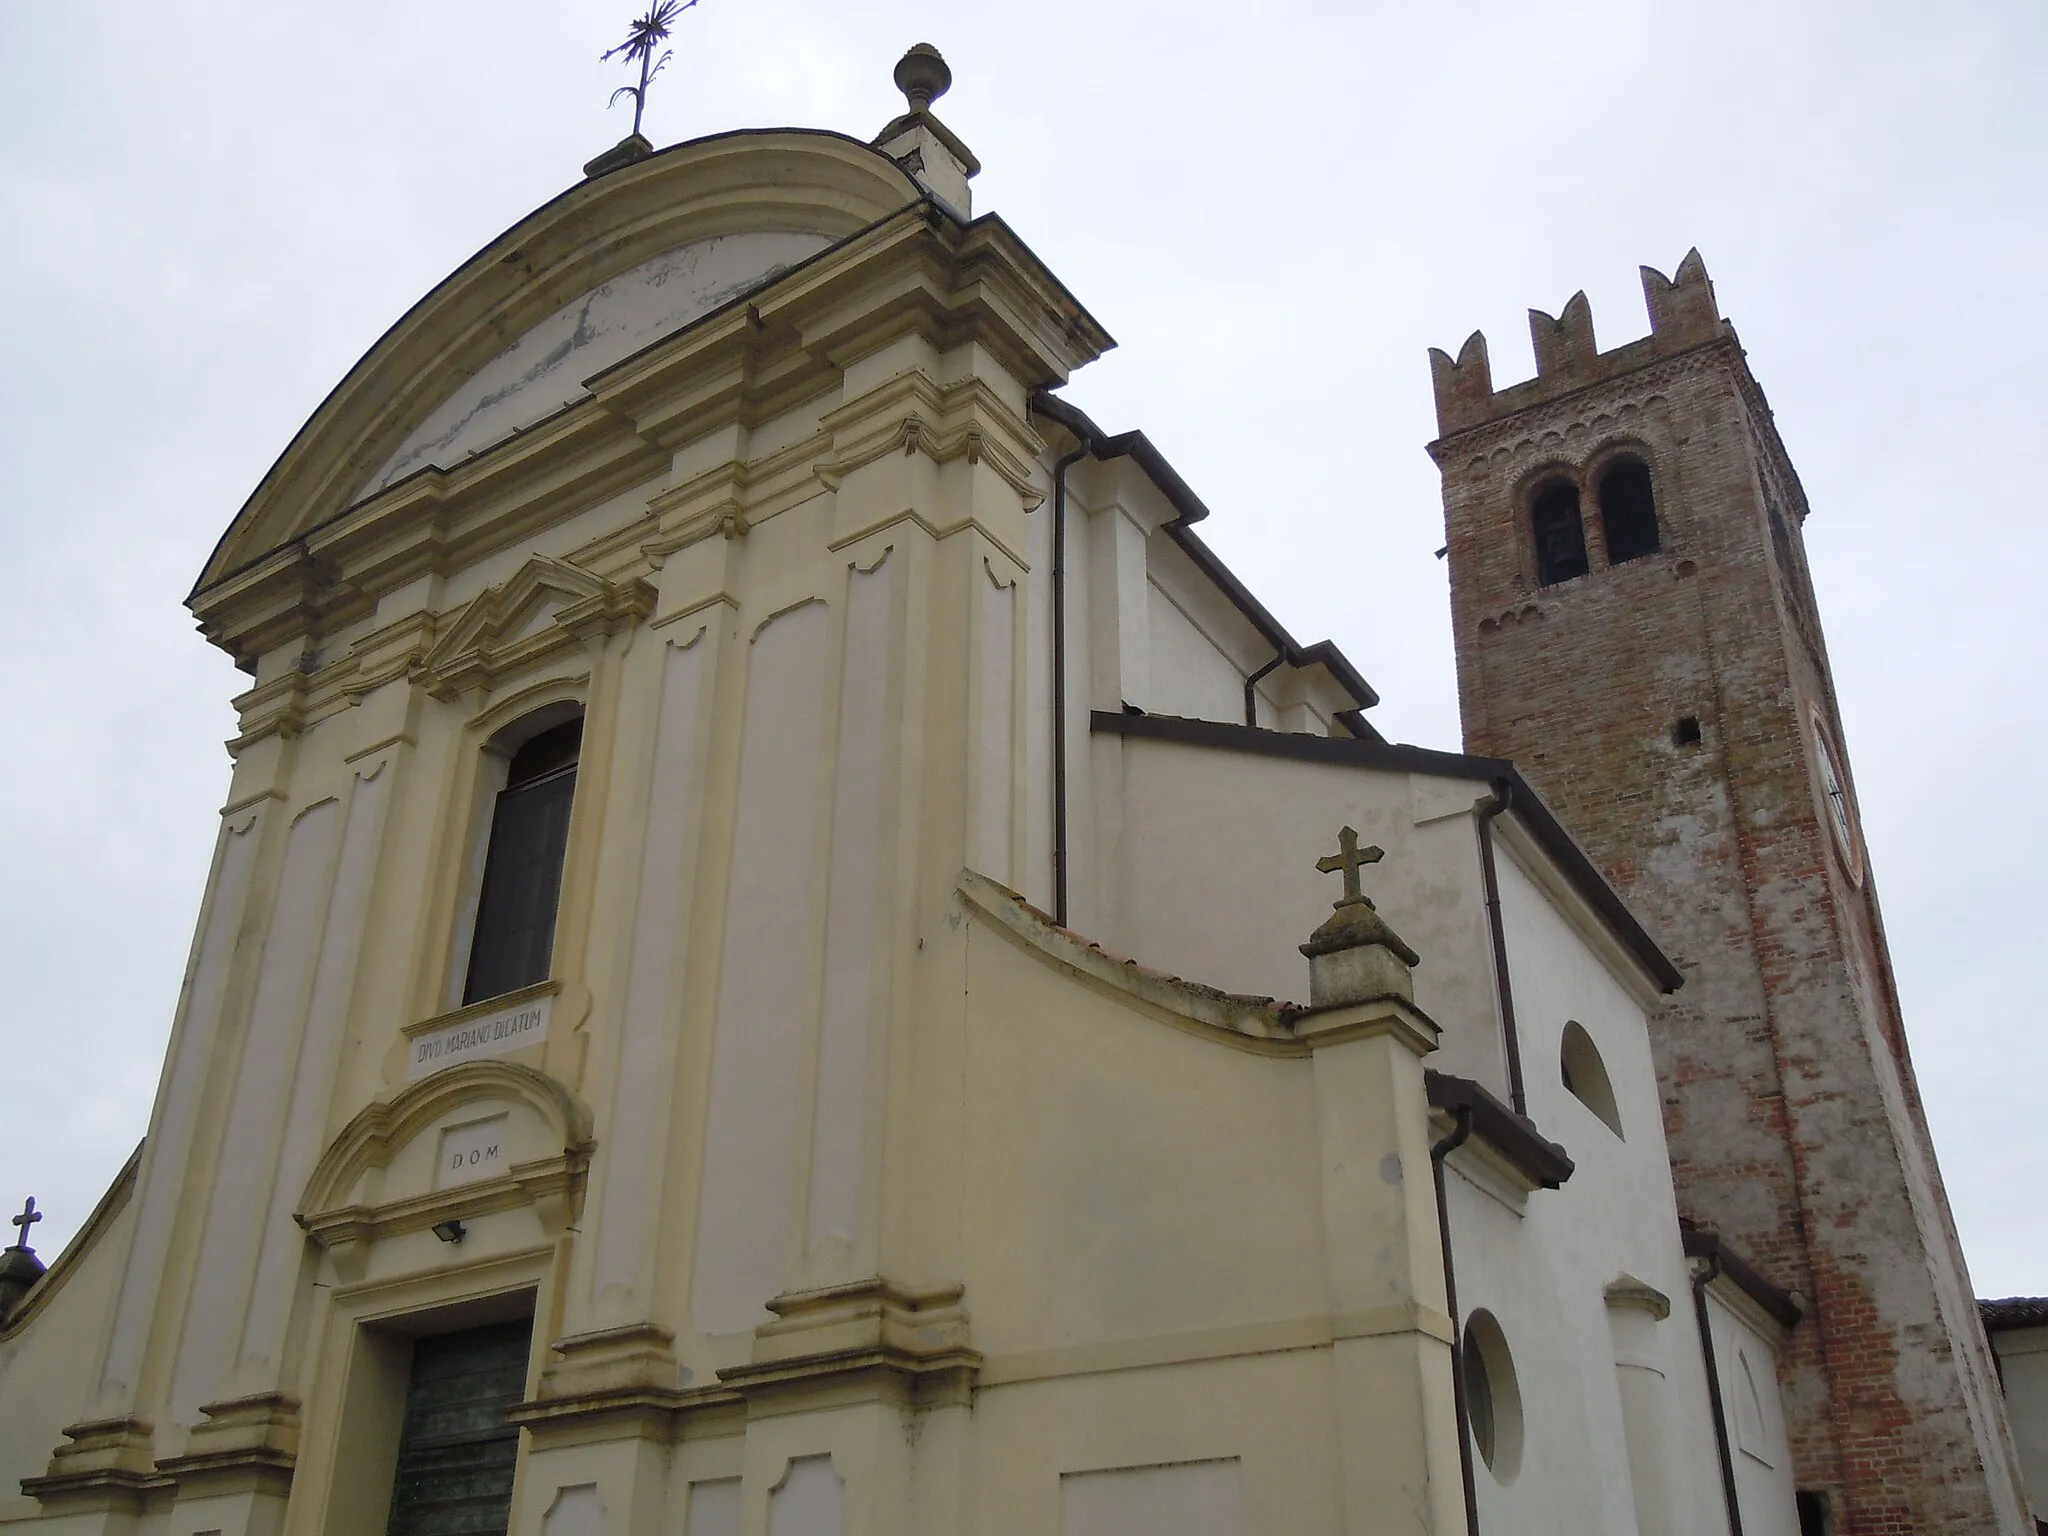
(645, 35)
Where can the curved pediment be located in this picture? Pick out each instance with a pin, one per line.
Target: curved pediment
(480, 1137)
(606, 268)
(545, 368)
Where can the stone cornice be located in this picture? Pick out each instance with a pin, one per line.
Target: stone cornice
(868, 1338)
(106, 1466)
(912, 414)
(462, 655)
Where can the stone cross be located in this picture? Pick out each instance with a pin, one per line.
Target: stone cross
(28, 1218)
(1350, 858)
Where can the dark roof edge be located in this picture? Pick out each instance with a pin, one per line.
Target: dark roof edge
(2009, 1312)
(1181, 497)
(1584, 875)
(1514, 1136)
(1705, 1243)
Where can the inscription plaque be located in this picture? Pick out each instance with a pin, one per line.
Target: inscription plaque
(490, 1034)
(471, 1152)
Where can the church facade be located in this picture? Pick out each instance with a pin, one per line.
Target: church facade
(659, 1052)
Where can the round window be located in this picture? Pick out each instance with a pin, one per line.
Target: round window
(1493, 1398)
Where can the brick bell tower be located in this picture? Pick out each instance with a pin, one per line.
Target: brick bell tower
(1636, 629)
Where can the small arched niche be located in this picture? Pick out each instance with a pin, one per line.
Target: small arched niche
(1493, 1396)
(1559, 533)
(1585, 1074)
(1628, 511)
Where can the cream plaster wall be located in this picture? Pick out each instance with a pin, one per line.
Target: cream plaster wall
(1189, 675)
(1182, 829)
(43, 1371)
(1615, 1219)
(1746, 1350)
(1121, 1179)
(1152, 1265)
(2023, 1368)
(1193, 826)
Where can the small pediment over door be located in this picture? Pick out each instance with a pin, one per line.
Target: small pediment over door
(471, 1140)
(550, 606)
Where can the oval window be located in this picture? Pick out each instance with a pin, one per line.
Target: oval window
(1493, 1397)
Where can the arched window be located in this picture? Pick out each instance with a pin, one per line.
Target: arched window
(1585, 1075)
(1560, 535)
(1749, 1411)
(514, 939)
(1628, 512)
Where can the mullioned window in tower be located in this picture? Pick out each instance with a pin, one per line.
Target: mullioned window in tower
(1628, 512)
(1560, 534)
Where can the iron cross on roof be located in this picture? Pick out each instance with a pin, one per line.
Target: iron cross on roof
(28, 1218)
(1350, 858)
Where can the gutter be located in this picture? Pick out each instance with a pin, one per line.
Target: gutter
(1514, 1136)
(1251, 689)
(1059, 679)
(1704, 1269)
(1496, 934)
(1460, 1132)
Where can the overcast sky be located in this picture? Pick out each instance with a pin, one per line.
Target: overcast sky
(210, 210)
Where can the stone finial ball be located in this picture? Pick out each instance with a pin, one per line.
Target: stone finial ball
(922, 76)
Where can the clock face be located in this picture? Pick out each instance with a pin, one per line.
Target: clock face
(1835, 794)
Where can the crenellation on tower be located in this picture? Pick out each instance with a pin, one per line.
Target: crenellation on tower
(1563, 343)
(1683, 315)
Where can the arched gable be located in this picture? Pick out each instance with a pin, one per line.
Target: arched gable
(798, 188)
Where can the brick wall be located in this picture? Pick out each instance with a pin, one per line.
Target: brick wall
(1793, 1120)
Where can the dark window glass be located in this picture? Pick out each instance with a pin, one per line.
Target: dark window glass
(1479, 1399)
(456, 1453)
(515, 914)
(1628, 512)
(1560, 536)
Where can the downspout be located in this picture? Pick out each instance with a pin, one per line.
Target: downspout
(1454, 1139)
(1059, 674)
(1251, 690)
(1503, 797)
(1706, 1267)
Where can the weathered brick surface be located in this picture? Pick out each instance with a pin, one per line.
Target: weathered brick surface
(1794, 1123)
